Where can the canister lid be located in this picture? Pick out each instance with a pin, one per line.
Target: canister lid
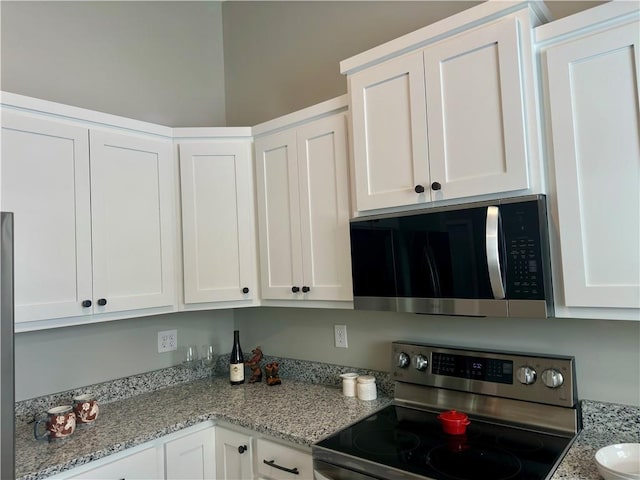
(366, 379)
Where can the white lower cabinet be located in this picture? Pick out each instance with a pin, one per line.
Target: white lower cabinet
(233, 455)
(243, 454)
(191, 457)
(275, 461)
(185, 455)
(146, 464)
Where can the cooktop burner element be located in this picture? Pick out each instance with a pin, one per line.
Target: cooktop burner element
(473, 461)
(509, 437)
(386, 442)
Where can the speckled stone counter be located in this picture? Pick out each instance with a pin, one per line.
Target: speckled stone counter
(604, 424)
(307, 407)
(295, 411)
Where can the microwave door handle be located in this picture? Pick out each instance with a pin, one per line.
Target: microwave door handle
(493, 254)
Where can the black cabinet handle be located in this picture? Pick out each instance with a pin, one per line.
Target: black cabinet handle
(86, 303)
(102, 302)
(242, 449)
(295, 289)
(419, 189)
(436, 186)
(305, 289)
(245, 290)
(272, 463)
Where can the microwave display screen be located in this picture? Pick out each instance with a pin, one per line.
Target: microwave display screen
(473, 368)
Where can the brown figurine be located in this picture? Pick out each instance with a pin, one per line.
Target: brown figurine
(254, 364)
(271, 370)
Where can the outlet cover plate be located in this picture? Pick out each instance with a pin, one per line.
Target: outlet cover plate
(340, 333)
(167, 341)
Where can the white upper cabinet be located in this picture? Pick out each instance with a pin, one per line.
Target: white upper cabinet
(391, 156)
(454, 117)
(45, 182)
(218, 223)
(475, 108)
(594, 144)
(303, 209)
(94, 218)
(132, 220)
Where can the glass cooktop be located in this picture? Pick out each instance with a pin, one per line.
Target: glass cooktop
(413, 441)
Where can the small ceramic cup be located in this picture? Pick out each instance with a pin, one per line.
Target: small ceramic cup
(60, 423)
(86, 408)
(349, 384)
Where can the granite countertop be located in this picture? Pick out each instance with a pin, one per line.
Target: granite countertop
(301, 412)
(604, 424)
(295, 411)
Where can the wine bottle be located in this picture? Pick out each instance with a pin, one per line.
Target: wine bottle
(236, 361)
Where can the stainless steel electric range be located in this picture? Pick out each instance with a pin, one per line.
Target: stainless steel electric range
(522, 408)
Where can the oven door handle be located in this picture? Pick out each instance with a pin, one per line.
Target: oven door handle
(493, 252)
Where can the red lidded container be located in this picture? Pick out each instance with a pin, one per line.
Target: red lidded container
(454, 423)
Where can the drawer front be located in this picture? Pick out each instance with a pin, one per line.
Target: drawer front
(284, 457)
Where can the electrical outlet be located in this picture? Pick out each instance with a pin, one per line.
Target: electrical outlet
(167, 341)
(340, 336)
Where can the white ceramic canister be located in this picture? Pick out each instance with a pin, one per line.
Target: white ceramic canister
(367, 387)
(349, 384)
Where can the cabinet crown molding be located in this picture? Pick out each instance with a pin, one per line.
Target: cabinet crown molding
(488, 11)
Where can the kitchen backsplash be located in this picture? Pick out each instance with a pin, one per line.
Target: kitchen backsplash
(106, 392)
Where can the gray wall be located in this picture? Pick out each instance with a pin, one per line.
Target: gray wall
(283, 56)
(164, 62)
(50, 361)
(607, 352)
(160, 62)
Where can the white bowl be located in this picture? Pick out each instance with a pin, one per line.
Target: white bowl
(619, 462)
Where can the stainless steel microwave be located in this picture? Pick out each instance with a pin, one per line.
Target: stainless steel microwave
(479, 259)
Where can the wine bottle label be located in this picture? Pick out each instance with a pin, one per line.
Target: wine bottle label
(236, 372)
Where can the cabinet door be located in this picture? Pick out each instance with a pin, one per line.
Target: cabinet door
(218, 239)
(233, 455)
(278, 215)
(475, 112)
(390, 134)
(191, 457)
(324, 209)
(143, 465)
(132, 221)
(45, 182)
(593, 97)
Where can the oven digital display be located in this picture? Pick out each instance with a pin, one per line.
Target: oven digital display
(474, 368)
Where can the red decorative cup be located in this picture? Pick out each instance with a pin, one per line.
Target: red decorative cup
(86, 408)
(60, 422)
(454, 423)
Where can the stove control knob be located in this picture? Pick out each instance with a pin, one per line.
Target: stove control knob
(526, 375)
(552, 378)
(403, 360)
(421, 362)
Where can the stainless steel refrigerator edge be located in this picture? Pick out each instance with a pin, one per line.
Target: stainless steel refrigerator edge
(7, 383)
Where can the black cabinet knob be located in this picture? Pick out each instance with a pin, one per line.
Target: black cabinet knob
(245, 290)
(305, 289)
(102, 302)
(295, 289)
(242, 449)
(419, 189)
(86, 303)
(436, 186)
